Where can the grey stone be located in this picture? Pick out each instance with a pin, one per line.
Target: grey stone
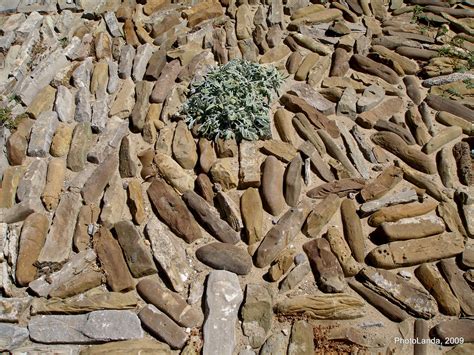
(446, 79)
(20, 211)
(127, 55)
(275, 344)
(114, 202)
(347, 103)
(114, 80)
(112, 24)
(100, 115)
(301, 340)
(295, 276)
(166, 252)
(80, 144)
(12, 336)
(9, 5)
(88, 328)
(83, 112)
(370, 98)
(42, 134)
(32, 183)
(64, 104)
(354, 153)
(144, 53)
(223, 299)
(404, 196)
(81, 76)
(58, 245)
(109, 140)
(313, 98)
(98, 180)
(37, 5)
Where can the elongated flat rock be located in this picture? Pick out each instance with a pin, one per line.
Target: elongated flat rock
(459, 286)
(411, 298)
(394, 213)
(328, 272)
(282, 234)
(341, 250)
(173, 211)
(432, 280)
(442, 138)
(95, 185)
(272, 186)
(221, 256)
(353, 229)
(409, 154)
(455, 328)
(89, 328)
(382, 184)
(383, 111)
(223, 299)
(209, 218)
(404, 196)
(413, 228)
(334, 306)
(339, 187)
(321, 214)
(417, 251)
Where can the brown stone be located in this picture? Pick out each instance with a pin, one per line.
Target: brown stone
(228, 210)
(412, 156)
(293, 181)
(449, 119)
(54, 183)
(281, 150)
(455, 328)
(152, 6)
(321, 214)
(88, 216)
(341, 250)
(272, 186)
(281, 265)
(252, 215)
(294, 61)
(225, 171)
(137, 253)
(184, 148)
(172, 210)
(334, 306)
(284, 127)
(95, 185)
(308, 149)
(328, 272)
(61, 140)
(203, 186)
(249, 165)
(353, 229)
(418, 127)
(394, 213)
(282, 234)
(32, 238)
(203, 11)
(462, 155)
(135, 201)
(207, 155)
(413, 299)
(296, 104)
(441, 104)
(416, 251)
(130, 34)
(170, 303)
(339, 187)
(226, 148)
(80, 145)
(432, 280)
(374, 68)
(11, 178)
(16, 148)
(334, 151)
(383, 111)
(459, 286)
(387, 308)
(413, 228)
(306, 130)
(166, 80)
(209, 218)
(384, 182)
(112, 261)
(222, 256)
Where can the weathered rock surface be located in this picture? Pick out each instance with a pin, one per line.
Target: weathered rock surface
(221, 256)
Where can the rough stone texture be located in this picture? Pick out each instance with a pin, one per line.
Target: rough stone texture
(321, 214)
(411, 228)
(249, 169)
(223, 299)
(81, 138)
(301, 339)
(272, 186)
(221, 256)
(209, 218)
(42, 134)
(86, 328)
(173, 173)
(96, 183)
(12, 336)
(394, 213)
(136, 252)
(172, 210)
(459, 286)
(32, 182)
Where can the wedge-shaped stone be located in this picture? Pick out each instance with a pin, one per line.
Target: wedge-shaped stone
(414, 300)
(431, 279)
(409, 154)
(383, 111)
(417, 251)
(328, 272)
(173, 173)
(459, 286)
(382, 184)
(281, 150)
(112, 261)
(228, 210)
(223, 299)
(413, 228)
(79, 274)
(282, 234)
(137, 253)
(58, 245)
(32, 238)
(334, 306)
(209, 218)
(307, 131)
(42, 134)
(173, 211)
(170, 303)
(321, 214)
(98, 326)
(339, 187)
(184, 148)
(95, 185)
(114, 202)
(387, 308)
(337, 153)
(92, 300)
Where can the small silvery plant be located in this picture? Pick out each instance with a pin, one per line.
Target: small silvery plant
(233, 101)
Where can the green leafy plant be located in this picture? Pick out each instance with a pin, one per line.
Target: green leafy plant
(232, 101)
(7, 120)
(469, 83)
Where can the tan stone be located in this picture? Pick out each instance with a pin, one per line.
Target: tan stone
(173, 173)
(136, 201)
(61, 140)
(54, 183)
(225, 172)
(42, 102)
(203, 11)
